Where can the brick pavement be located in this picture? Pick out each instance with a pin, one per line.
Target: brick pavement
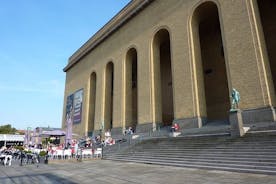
(105, 172)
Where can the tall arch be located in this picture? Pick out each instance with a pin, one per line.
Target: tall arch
(267, 11)
(163, 85)
(92, 103)
(210, 66)
(131, 106)
(108, 106)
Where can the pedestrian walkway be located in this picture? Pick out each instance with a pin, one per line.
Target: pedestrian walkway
(105, 172)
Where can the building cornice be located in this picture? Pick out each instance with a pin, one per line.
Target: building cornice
(128, 12)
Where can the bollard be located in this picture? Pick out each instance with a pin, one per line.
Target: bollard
(21, 158)
(46, 158)
(79, 155)
(102, 151)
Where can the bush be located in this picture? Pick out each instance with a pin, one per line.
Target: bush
(19, 148)
(43, 153)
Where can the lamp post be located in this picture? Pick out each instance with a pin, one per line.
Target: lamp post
(102, 136)
(28, 135)
(5, 140)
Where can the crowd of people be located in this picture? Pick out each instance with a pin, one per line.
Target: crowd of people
(76, 147)
(12, 153)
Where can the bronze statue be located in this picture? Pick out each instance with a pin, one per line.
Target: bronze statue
(235, 95)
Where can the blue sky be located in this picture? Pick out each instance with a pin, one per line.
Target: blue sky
(36, 39)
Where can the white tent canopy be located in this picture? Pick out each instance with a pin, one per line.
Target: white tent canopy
(52, 133)
(11, 137)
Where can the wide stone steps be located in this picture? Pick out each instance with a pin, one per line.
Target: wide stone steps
(213, 142)
(204, 165)
(247, 155)
(172, 148)
(213, 149)
(234, 156)
(255, 149)
(206, 160)
(251, 153)
(210, 159)
(238, 142)
(244, 165)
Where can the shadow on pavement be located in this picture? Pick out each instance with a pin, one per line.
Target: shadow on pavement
(35, 178)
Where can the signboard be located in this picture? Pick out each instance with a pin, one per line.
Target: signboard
(73, 112)
(77, 106)
(69, 117)
(69, 106)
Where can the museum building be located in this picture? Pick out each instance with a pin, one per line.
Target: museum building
(158, 62)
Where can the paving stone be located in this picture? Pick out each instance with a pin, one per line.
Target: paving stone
(105, 172)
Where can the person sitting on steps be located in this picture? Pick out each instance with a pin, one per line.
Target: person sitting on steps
(175, 127)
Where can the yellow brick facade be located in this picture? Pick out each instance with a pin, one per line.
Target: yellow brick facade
(244, 52)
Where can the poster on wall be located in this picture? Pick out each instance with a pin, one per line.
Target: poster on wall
(78, 95)
(69, 117)
(69, 105)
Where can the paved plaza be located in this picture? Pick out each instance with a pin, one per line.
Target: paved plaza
(105, 172)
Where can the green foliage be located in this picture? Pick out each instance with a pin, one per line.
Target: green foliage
(19, 147)
(43, 142)
(7, 129)
(43, 153)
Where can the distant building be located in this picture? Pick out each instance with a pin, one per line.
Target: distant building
(39, 133)
(159, 62)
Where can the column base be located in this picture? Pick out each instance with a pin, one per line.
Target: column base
(236, 122)
(116, 131)
(186, 123)
(96, 132)
(143, 128)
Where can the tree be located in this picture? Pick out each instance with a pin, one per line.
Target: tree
(7, 129)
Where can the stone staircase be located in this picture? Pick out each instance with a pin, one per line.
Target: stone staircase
(254, 153)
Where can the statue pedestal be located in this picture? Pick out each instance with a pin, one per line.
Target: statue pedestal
(236, 123)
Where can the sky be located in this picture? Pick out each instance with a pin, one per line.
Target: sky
(37, 37)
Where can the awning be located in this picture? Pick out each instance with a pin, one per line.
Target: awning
(11, 137)
(51, 133)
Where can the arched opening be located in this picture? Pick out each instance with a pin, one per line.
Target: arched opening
(92, 103)
(131, 89)
(267, 10)
(108, 112)
(210, 63)
(163, 84)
